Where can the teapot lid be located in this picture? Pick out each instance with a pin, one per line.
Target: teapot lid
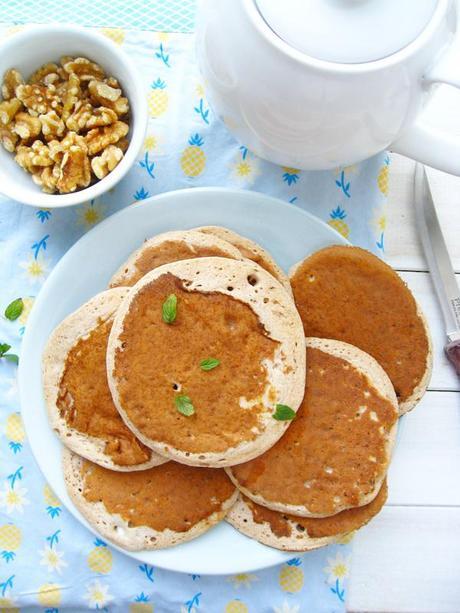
(347, 31)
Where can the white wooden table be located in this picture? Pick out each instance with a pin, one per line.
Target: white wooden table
(408, 558)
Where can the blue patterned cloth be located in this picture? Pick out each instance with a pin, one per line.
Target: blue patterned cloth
(48, 561)
(163, 15)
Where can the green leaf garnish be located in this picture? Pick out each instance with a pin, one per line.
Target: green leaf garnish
(184, 405)
(169, 309)
(14, 309)
(11, 357)
(283, 413)
(209, 363)
(4, 347)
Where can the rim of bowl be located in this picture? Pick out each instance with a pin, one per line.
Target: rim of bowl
(51, 201)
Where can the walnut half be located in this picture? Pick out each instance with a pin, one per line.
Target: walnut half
(106, 162)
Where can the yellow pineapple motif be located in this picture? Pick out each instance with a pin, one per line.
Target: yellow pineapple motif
(141, 604)
(236, 606)
(49, 595)
(337, 221)
(193, 158)
(383, 177)
(141, 607)
(10, 541)
(115, 34)
(53, 505)
(100, 558)
(291, 576)
(7, 606)
(50, 496)
(158, 99)
(14, 431)
(290, 175)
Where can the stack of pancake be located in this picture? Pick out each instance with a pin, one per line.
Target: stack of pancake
(205, 384)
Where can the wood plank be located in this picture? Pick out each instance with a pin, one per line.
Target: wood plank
(444, 377)
(403, 249)
(425, 466)
(406, 560)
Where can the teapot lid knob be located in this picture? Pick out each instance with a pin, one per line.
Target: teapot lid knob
(347, 31)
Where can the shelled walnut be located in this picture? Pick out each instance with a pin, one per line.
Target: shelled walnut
(66, 125)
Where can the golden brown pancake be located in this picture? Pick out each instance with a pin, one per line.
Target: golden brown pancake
(149, 509)
(336, 453)
(171, 247)
(250, 250)
(293, 533)
(80, 406)
(228, 310)
(349, 294)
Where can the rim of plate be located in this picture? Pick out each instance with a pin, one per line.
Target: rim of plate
(28, 361)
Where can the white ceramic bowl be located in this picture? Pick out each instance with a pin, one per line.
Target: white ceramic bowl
(37, 45)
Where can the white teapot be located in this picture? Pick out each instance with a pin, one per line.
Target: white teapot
(317, 84)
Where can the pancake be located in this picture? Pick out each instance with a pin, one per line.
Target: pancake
(171, 247)
(292, 533)
(227, 310)
(336, 453)
(150, 509)
(80, 406)
(250, 250)
(351, 295)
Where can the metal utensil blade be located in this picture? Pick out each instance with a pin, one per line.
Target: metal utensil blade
(436, 253)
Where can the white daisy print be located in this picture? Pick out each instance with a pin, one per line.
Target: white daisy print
(13, 499)
(243, 580)
(53, 559)
(246, 167)
(337, 568)
(35, 269)
(287, 608)
(97, 595)
(90, 213)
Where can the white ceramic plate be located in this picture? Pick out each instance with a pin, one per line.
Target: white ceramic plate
(285, 230)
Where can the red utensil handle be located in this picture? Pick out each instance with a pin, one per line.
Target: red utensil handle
(453, 353)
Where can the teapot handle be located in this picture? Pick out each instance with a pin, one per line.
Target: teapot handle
(427, 144)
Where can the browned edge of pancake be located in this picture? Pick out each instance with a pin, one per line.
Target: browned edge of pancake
(286, 374)
(191, 238)
(64, 337)
(251, 250)
(116, 529)
(293, 532)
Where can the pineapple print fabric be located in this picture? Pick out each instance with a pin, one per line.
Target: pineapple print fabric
(48, 562)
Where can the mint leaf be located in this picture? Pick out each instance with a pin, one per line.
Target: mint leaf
(4, 347)
(209, 363)
(169, 309)
(14, 309)
(184, 405)
(283, 413)
(11, 357)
